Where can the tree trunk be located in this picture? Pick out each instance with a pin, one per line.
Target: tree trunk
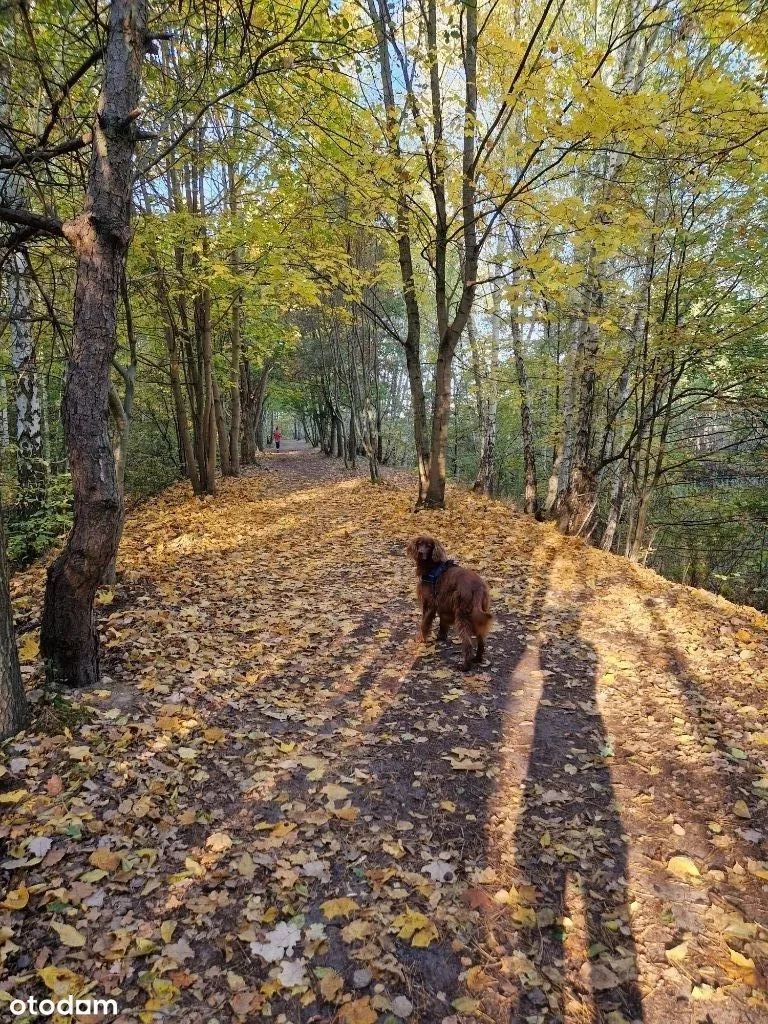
(530, 495)
(100, 237)
(379, 16)
(123, 416)
(449, 337)
(577, 501)
(180, 410)
(221, 426)
(235, 328)
(31, 469)
(618, 492)
(13, 703)
(5, 438)
(30, 459)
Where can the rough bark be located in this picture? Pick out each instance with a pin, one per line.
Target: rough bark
(180, 410)
(100, 236)
(122, 413)
(14, 714)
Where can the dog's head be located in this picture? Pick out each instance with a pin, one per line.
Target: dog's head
(426, 551)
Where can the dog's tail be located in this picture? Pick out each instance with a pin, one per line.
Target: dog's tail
(483, 615)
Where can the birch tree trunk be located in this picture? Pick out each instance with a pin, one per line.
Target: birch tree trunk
(100, 237)
(30, 459)
(31, 470)
(5, 438)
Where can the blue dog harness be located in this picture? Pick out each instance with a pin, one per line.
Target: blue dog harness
(433, 576)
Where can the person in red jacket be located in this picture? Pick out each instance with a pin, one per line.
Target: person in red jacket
(277, 437)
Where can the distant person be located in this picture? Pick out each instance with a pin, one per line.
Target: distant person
(277, 437)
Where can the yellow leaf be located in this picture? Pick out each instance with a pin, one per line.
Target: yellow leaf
(683, 867)
(69, 936)
(167, 928)
(192, 865)
(13, 796)
(104, 859)
(330, 985)
(417, 927)
(245, 866)
(334, 792)
(424, 936)
(356, 930)
(359, 1011)
(60, 980)
(678, 953)
(341, 907)
(744, 962)
(465, 1005)
(526, 916)
(346, 813)
(104, 597)
(143, 947)
(218, 842)
(16, 899)
(29, 648)
(741, 810)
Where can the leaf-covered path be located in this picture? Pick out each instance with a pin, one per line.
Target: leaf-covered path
(279, 806)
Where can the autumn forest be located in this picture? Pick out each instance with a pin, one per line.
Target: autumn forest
(283, 285)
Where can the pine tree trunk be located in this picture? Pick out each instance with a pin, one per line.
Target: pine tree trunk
(100, 237)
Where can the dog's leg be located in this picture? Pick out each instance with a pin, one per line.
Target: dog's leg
(442, 633)
(464, 629)
(480, 650)
(427, 618)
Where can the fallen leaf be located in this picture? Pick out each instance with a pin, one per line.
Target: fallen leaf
(683, 867)
(68, 935)
(16, 899)
(359, 1011)
(343, 906)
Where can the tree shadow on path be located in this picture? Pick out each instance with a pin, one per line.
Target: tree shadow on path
(570, 847)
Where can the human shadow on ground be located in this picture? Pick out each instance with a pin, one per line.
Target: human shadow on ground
(570, 847)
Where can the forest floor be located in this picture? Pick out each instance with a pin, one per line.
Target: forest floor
(280, 806)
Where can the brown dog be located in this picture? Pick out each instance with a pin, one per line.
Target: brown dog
(457, 595)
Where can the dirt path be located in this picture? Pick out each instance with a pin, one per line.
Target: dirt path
(280, 807)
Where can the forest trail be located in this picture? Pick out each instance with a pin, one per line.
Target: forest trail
(279, 804)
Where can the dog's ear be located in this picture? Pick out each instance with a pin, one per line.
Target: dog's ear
(439, 554)
(410, 548)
